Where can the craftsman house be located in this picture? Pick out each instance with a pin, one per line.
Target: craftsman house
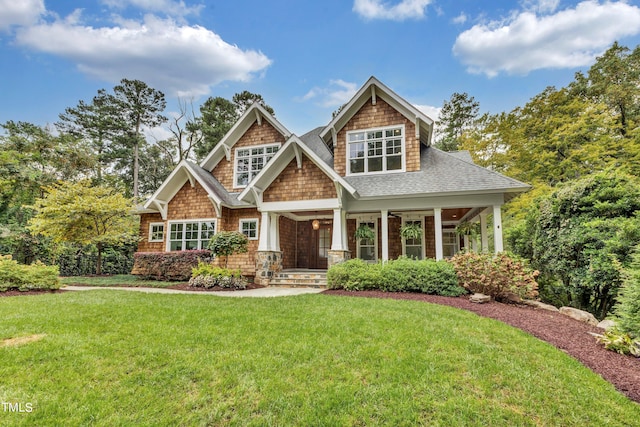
(300, 199)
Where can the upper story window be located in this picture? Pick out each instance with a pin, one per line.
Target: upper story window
(249, 161)
(375, 150)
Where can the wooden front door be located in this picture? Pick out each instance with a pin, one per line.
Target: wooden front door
(313, 245)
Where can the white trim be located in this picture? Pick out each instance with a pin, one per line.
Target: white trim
(184, 221)
(437, 216)
(156, 224)
(300, 205)
(252, 147)
(423, 239)
(403, 154)
(249, 220)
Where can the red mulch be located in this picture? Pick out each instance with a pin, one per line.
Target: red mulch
(20, 293)
(563, 332)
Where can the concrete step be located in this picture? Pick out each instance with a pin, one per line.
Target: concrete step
(299, 279)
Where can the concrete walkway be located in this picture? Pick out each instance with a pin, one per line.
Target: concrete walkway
(257, 293)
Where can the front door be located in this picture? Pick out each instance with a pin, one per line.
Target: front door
(313, 244)
(322, 244)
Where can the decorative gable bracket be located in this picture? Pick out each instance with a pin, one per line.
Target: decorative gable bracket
(162, 207)
(227, 152)
(296, 150)
(217, 205)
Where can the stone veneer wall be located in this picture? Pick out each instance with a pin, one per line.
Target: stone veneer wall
(256, 135)
(379, 115)
(307, 183)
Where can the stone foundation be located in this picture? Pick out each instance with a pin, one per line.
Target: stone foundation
(267, 264)
(336, 257)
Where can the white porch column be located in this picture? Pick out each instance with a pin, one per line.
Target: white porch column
(336, 238)
(344, 230)
(497, 229)
(467, 242)
(437, 216)
(274, 232)
(384, 225)
(263, 244)
(483, 232)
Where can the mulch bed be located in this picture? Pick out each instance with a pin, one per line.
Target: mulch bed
(20, 293)
(186, 287)
(565, 333)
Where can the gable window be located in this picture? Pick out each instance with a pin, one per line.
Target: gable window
(249, 227)
(375, 150)
(190, 235)
(368, 248)
(249, 161)
(156, 232)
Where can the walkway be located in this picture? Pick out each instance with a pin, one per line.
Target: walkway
(258, 293)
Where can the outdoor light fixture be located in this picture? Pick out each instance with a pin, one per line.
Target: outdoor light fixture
(315, 224)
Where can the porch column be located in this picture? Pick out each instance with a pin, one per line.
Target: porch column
(497, 229)
(274, 232)
(345, 230)
(437, 216)
(263, 244)
(483, 232)
(336, 239)
(384, 225)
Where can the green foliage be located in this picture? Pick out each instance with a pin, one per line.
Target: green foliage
(627, 310)
(457, 115)
(226, 243)
(498, 275)
(37, 276)
(620, 342)
(411, 230)
(176, 266)
(206, 275)
(581, 237)
(401, 275)
(364, 232)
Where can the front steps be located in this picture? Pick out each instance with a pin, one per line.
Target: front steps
(300, 279)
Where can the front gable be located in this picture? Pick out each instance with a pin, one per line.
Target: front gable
(307, 182)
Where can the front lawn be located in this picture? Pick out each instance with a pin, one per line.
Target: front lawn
(121, 358)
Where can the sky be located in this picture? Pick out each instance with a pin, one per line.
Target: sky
(306, 58)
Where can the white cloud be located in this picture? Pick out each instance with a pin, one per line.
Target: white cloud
(18, 13)
(460, 19)
(567, 39)
(541, 6)
(337, 93)
(405, 9)
(178, 59)
(431, 111)
(169, 7)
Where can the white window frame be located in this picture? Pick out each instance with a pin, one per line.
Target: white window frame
(248, 221)
(250, 157)
(199, 221)
(456, 241)
(404, 241)
(375, 239)
(151, 232)
(403, 153)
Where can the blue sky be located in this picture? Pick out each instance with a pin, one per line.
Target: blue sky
(305, 58)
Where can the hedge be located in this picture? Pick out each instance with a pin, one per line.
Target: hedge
(171, 266)
(37, 276)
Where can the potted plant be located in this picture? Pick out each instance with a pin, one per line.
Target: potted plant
(468, 229)
(411, 230)
(365, 232)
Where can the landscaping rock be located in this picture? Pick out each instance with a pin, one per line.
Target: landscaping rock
(540, 305)
(606, 324)
(479, 298)
(580, 315)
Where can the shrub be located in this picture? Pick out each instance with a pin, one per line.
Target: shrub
(620, 342)
(170, 266)
(225, 243)
(37, 276)
(627, 310)
(401, 275)
(209, 276)
(498, 275)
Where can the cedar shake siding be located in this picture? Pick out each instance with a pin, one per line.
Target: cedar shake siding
(374, 116)
(307, 183)
(264, 134)
(190, 203)
(288, 244)
(230, 221)
(144, 245)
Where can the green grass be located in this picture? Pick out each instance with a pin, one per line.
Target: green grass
(114, 280)
(120, 358)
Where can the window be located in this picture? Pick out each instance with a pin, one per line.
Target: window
(450, 244)
(189, 235)
(375, 150)
(156, 232)
(249, 227)
(413, 248)
(367, 248)
(250, 161)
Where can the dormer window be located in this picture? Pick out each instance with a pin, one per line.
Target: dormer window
(249, 161)
(375, 150)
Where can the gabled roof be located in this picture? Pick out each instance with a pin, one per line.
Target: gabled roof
(440, 173)
(255, 112)
(189, 171)
(294, 148)
(374, 89)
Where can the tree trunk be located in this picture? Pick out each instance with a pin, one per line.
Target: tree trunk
(99, 263)
(136, 167)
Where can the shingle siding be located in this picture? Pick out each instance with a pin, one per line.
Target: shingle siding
(307, 183)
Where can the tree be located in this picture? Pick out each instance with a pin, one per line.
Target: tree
(227, 243)
(628, 308)
(219, 114)
(140, 106)
(82, 214)
(456, 116)
(185, 136)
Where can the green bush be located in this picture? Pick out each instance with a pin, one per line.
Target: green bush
(37, 276)
(498, 275)
(401, 275)
(208, 276)
(627, 309)
(620, 342)
(175, 266)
